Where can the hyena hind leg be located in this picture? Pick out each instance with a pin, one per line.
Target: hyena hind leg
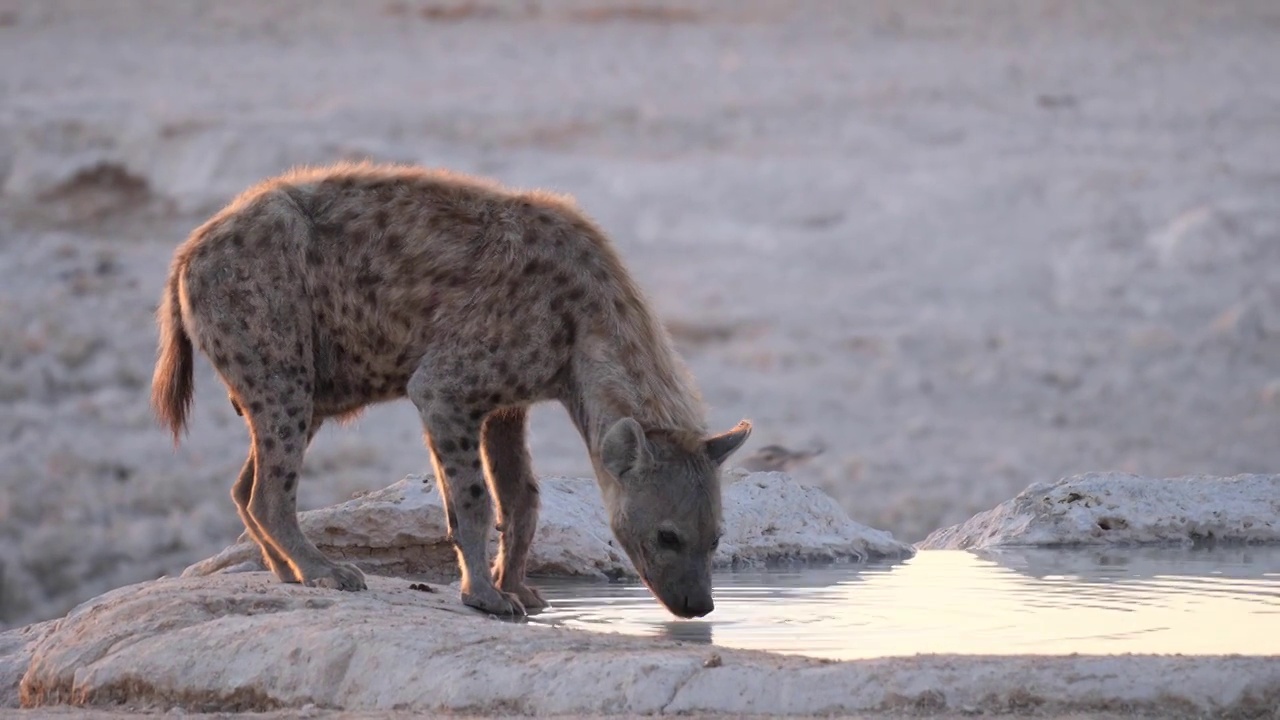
(242, 492)
(273, 504)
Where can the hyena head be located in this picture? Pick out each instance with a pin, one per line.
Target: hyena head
(663, 501)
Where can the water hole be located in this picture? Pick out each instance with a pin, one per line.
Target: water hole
(1060, 601)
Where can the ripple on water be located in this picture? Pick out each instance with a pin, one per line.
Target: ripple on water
(1215, 601)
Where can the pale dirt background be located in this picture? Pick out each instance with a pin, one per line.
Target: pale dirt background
(968, 246)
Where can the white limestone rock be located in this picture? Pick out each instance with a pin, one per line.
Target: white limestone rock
(244, 642)
(400, 530)
(1124, 509)
(16, 648)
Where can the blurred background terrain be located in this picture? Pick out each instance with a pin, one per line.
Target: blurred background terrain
(964, 246)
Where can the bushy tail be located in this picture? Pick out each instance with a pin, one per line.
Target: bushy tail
(172, 386)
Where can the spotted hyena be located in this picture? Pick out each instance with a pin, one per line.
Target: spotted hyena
(324, 290)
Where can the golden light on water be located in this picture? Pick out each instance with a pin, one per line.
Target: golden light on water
(1037, 602)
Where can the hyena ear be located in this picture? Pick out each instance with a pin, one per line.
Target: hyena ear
(625, 449)
(721, 446)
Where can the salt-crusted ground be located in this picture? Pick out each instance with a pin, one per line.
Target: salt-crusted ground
(966, 246)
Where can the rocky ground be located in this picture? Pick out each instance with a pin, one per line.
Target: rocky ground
(242, 642)
(966, 247)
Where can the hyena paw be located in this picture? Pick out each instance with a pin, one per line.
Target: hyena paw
(493, 601)
(335, 576)
(528, 596)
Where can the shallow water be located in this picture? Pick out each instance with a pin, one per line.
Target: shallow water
(1110, 601)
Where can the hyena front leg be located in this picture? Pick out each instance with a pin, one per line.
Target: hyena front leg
(453, 437)
(506, 455)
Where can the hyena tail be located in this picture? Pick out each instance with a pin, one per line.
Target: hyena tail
(172, 385)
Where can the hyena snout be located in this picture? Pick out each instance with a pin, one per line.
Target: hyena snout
(697, 606)
(686, 596)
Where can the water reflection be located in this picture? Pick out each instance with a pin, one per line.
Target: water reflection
(691, 631)
(1221, 600)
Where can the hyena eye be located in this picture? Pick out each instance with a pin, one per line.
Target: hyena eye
(715, 544)
(668, 540)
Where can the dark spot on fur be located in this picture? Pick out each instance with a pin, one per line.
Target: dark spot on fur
(290, 481)
(464, 444)
(570, 328)
(314, 258)
(533, 488)
(476, 414)
(450, 470)
(495, 398)
(475, 464)
(476, 490)
(256, 406)
(268, 443)
(467, 505)
(575, 295)
(241, 359)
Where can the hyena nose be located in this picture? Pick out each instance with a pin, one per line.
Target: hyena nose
(698, 606)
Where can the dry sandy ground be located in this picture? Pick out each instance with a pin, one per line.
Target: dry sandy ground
(967, 246)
